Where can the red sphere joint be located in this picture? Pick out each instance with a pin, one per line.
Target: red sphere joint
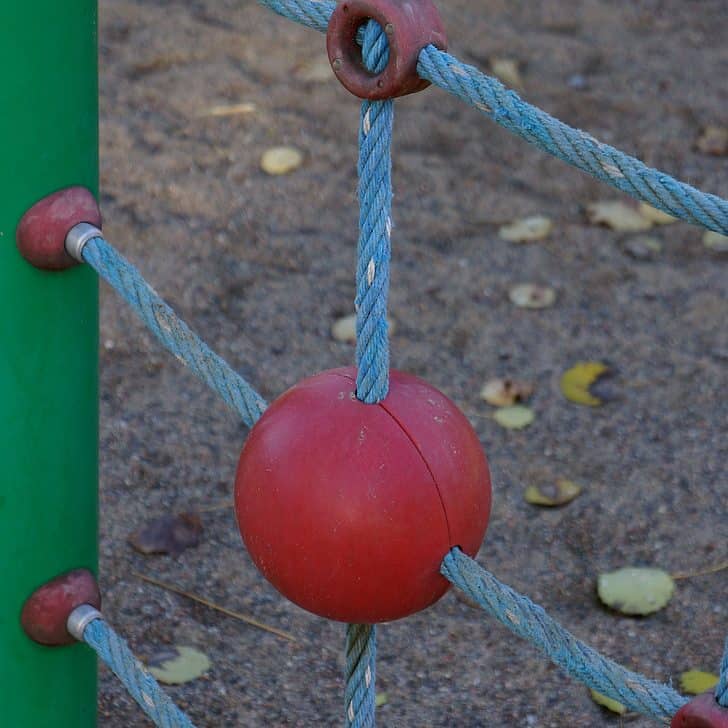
(46, 611)
(704, 711)
(410, 26)
(348, 509)
(41, 232)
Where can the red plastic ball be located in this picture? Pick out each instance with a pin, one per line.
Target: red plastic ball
(348, 509)
(703, 711)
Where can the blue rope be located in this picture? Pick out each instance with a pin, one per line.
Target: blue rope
(142, 686)
(572, 145)
(172, 331)
(536, 126)
(375, 225)
(577, 659)
(721, 689)
(360, 695)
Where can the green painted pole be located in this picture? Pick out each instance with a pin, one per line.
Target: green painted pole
(48, 355)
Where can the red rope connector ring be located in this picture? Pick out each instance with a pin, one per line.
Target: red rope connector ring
(410, 25)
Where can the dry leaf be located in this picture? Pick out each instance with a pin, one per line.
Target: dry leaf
(505, 392)
(281, 160)
(618, 216)
(177, 665)
(230, 110)
(507, 71)
(514, 418)
(655, 216)
(530, 295)
(578, 383)
(609, 703)
(715, 241)
(636, 590)
(695, 682)
(713, 140)
(344, 328)
(380, 699)
(168, 534)
(552, 494)
(527, 229)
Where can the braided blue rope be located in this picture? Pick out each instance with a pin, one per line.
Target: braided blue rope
(721, 689)
(577, 659)
(539, 128)
(375, 203)
(172, 331)
(360, 695)
(142, 686)
(572, 145)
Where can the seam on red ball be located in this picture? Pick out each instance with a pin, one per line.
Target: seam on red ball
(351, 380)
(426, 464)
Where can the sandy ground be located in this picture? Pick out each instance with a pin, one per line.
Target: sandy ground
(261, 266)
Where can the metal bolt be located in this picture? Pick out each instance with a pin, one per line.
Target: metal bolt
(337, 64)
(389, 29)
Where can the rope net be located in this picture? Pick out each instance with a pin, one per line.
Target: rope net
(514, 610)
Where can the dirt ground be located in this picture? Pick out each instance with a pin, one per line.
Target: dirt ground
(261, 266)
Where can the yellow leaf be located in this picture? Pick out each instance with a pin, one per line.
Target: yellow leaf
(526, 230)
(381, 699)
(514, 418)
(552, 494)
(609, 703)
(618, 216)
(177, 665)
(695, 682)
(575, 382)
(636, 590)
(281, 160)
(658, 217)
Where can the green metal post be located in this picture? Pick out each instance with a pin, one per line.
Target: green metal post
(48, 354)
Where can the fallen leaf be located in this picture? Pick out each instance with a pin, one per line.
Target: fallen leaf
(281, 160)
(177, 665)
(230, 110)
(344, 328)
(507, 71)
(170, 534)
(577, 383)
(315, 70)
(636, 590)
(505, 392)
(618, 216)
(527, 229)
(715, 241)
(552, 494)
(642, 247)
(380, 699)
(655, 216)
(609, 703)
(713, 140)
(695, 682)
(530, 295)
(514, 418)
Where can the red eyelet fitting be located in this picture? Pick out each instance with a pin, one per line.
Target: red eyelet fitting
(701, 712)
(410, 25)
(41, 233)
(47, 609)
